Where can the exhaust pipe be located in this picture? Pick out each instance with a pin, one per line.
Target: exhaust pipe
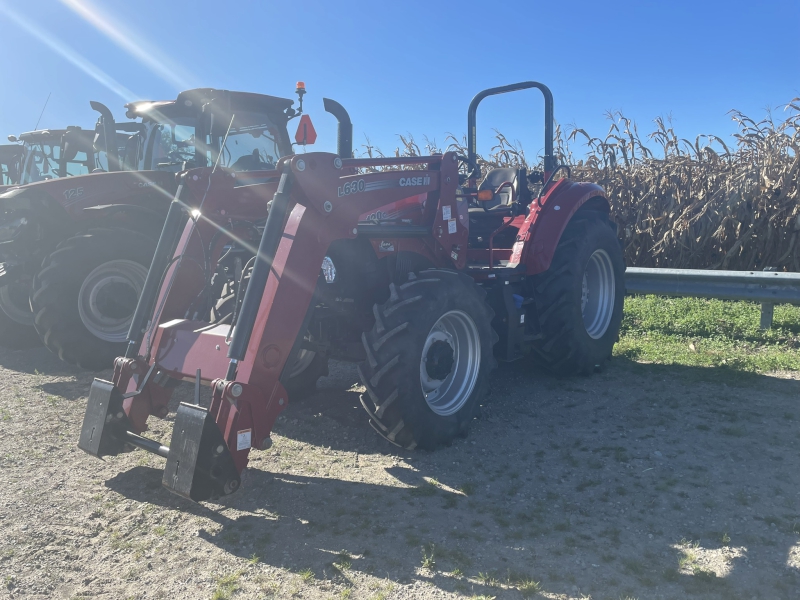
(109, 127)
(344, 137)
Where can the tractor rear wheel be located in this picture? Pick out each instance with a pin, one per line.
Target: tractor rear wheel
(16, 319)
(84, 296)
(429, 359)
(579, 299)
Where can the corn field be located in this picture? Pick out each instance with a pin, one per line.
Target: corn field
(680, 203)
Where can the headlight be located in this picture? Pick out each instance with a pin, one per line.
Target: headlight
(328, 270)
(10, 229)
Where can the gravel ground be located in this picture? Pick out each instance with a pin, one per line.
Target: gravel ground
(641, 481)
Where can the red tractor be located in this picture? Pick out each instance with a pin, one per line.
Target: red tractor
(52, 153)
(424, 276)
(74, 251)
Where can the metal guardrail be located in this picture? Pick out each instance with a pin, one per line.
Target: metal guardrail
(767, 287)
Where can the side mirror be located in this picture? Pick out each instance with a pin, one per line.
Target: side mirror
(12, 138)
(306, 134)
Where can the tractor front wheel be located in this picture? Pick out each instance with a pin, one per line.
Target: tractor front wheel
(16, 318)
(85, 294)
(429, 358)
(579, 299)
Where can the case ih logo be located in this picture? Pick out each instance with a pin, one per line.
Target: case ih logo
(360, 185)
(408, 181)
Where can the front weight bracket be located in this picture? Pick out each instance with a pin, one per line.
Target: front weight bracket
(199, 464)
(105, 423)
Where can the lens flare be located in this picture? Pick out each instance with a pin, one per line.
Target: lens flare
(68, 54)
(132, 43)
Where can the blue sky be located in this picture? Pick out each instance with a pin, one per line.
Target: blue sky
(410, 66)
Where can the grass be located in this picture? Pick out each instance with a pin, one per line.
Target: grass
(696, 332)
(429, 558)
(488, 579)
(344, 562)
(226, 586)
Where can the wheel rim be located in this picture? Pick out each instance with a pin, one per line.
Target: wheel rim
(450, 362)
(14, 303)
(108, 298)
(597, 294)
(304, 360)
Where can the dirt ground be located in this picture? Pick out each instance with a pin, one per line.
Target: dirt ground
(639, 482)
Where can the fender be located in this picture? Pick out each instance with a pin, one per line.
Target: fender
(540, 233)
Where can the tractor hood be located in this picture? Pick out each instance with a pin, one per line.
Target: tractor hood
(74, 194)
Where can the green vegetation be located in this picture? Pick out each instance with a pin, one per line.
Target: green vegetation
(709, 333)
(226, 586)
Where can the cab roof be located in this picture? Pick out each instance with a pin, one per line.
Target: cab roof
(190, 102)
(40, 134)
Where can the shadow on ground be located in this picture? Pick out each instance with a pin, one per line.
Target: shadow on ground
(643, 480)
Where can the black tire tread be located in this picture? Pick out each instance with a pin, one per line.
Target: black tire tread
(388, 377)
(558, 350)
(56, 319)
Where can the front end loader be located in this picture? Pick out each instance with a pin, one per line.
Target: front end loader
(422, 270)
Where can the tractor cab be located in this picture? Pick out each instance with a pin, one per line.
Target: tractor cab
(9, 164)
(239, 130)
(53, 153)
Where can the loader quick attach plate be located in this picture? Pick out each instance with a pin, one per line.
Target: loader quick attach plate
(105, 422)
(199, 465)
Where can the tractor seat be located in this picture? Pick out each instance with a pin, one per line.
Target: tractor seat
(501, 204)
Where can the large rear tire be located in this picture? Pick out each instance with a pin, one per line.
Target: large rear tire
(16, 319)
(84, 296)
(429, 359)
(579, 299)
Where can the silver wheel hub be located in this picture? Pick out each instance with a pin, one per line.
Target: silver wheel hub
(598, 291)
(450, 362)
(14, 303)
(108, 297)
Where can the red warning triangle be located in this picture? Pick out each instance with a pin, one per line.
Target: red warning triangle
(306, 134)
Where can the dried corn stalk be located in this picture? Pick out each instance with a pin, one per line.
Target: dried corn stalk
(689, 204)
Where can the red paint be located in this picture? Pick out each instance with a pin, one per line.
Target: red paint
(539, 234)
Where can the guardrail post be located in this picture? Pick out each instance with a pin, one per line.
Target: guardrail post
(767, 308)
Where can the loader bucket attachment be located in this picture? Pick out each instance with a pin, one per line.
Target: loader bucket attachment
(105, 423)
(199, 465)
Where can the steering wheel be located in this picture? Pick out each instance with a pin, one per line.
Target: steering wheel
(470, 167)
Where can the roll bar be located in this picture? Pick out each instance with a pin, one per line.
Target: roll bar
(549, 159)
